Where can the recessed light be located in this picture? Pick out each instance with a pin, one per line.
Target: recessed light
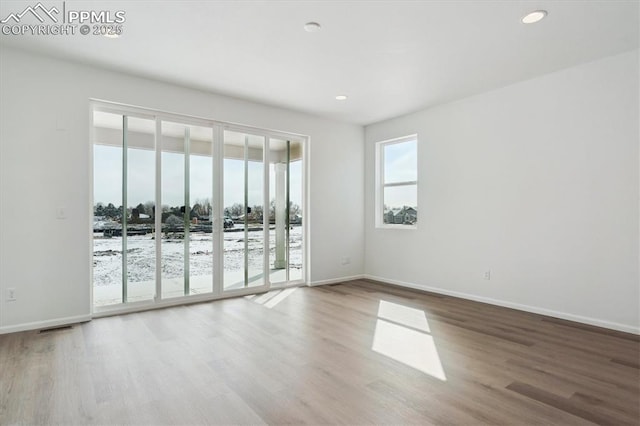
(312, 27)
(533, 17)
(341, 97)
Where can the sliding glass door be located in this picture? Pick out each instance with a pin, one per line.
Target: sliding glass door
(285, 211)
(124, 256)
(244, 195)
(191, 208)
(108, 266)
(138, 228)
(187, 192)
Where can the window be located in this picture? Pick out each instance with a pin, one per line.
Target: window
(397, 183)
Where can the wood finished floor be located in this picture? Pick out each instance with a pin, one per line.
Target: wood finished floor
(305, 356)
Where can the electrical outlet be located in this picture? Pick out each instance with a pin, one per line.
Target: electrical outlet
(61, 213)
(487, 275)
(11, 295)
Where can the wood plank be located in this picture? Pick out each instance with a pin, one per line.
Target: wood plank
(566, 405)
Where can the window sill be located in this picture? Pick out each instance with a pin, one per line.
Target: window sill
(407, 227)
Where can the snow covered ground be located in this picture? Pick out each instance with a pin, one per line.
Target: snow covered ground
(107, 260)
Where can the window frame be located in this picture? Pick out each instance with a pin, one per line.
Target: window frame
(381, 185)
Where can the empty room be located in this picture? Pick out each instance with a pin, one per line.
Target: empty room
(320, 212)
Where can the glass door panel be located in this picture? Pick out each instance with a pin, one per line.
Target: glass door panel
(107, 209)
(278, 252)
(233, 235)
(140, 213)
(295, 243)
(255, 235)
(285, 216)
(201, 245)
(244, 235)
(174, 213)
(187, 193)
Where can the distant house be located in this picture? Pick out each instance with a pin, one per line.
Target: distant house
(398, 217)
(404, 216)
(137, 217)
(205, 218)
(179, 212)
(393, 216)
(410, 215)
(389, 217)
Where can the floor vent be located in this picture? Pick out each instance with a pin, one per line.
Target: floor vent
(49, 330)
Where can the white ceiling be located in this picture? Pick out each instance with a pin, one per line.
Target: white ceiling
(389, 57)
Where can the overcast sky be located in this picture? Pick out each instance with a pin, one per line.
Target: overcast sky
(400, 165)
(141, 178)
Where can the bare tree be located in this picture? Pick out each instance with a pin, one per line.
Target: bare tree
(204, 207)
(294, 209)
(235, 210)
(149, 208)
(99, 209)
(173, 221)
(256, 213)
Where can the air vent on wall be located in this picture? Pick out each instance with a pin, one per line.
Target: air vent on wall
(64, 327)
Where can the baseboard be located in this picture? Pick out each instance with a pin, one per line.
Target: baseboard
(336, 280)
(526, 308)
(37, 325)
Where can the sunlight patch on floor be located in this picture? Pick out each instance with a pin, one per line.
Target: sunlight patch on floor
(272, 298)
(402, 334)
(404, 315)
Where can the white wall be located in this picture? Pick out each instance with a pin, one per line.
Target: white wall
(44, 163)
(537, 182)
